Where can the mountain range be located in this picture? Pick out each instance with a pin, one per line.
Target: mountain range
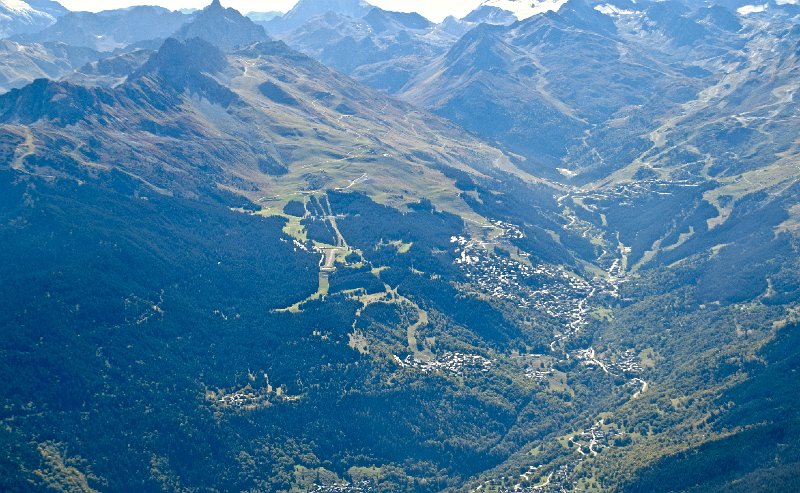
(111, 29)
(548, 247)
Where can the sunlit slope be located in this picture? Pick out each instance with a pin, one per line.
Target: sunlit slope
(264, 122)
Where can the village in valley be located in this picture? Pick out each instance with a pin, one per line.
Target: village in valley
(498, 271)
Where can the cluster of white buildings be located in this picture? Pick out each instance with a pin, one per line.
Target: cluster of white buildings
(243, 398)
(363, 486)
(627, 362)
(249, 398)
(511, 231)
(541, 288)
(624, 192)
(592, 439)
(538, 374)
(449, 362)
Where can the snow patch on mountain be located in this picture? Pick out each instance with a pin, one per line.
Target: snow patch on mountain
(613, 10)
(751, 9)
(17, 16)
(18, 8)
(524, 9)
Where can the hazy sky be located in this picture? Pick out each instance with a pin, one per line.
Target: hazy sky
(433, 9)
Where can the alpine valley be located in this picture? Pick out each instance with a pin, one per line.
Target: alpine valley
(550, 246)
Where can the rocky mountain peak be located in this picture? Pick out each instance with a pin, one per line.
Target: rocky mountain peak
(225, 28)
